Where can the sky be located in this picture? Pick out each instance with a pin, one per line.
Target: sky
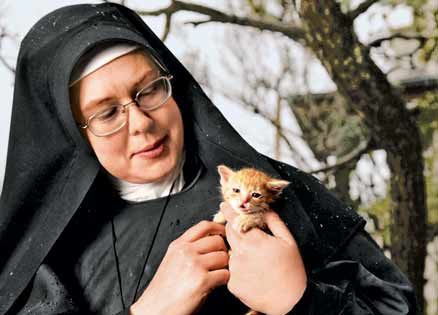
(208, 39)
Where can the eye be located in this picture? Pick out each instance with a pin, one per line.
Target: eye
(236, 190)
(148, 90)
(256, 195)
(108, 113)
(151, 94)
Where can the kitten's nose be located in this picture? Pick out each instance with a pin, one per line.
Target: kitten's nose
(246, 198)
(245, 202)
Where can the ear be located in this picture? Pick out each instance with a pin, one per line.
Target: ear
(225, 173)
(277, 185)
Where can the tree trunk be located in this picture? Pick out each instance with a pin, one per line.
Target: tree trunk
(435, 157)
(329, 33)
(342, 179)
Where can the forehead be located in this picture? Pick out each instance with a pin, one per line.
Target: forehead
(250, 178)
(127, 72)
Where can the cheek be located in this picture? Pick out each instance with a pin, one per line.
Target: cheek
(175, 126)
(233, 199)
(259, 203)
(235, 203)
(110, 151)
(168, 120)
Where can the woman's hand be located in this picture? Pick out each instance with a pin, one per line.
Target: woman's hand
(266, 272)
(194, 264)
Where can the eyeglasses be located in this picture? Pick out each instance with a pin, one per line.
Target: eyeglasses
(113, 118)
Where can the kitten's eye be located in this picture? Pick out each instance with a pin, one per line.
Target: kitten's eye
(256, 195)
(236, 190)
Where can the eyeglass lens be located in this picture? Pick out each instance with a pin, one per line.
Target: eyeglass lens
(114, 117)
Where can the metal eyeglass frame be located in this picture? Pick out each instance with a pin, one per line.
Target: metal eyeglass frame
(167, 79)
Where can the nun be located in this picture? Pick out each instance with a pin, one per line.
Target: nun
(111, 184)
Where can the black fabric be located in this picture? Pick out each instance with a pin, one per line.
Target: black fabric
(79, 275)
(361, 280)
(53, 219)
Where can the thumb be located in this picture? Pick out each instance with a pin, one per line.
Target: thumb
(278, 228)
(228, 212)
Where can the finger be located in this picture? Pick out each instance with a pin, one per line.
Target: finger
(218, 277)
(233, 236)
(210, 244)
(203, 228)
(214, 260)
(254, 235)
(228, 212)
(278, 228)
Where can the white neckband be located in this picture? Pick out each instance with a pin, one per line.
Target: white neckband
(141, 192)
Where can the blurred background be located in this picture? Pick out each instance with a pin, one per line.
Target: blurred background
(346, 90)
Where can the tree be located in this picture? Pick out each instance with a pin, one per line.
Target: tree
(362, 89)
(5, 35)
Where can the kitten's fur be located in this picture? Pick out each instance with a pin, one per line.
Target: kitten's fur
(249, 192)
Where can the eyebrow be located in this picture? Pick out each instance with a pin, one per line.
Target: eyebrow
(94, 103)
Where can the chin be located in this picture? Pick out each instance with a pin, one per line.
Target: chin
(152, 173)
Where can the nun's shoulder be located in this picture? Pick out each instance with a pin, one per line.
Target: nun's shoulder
(308, 188)
(321, 222)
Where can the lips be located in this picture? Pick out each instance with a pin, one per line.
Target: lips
(152, 150)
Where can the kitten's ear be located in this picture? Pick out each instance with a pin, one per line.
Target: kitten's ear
(225, 173)
(277, 185)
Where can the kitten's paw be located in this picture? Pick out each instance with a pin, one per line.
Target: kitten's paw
(243, 224)
(219, 218)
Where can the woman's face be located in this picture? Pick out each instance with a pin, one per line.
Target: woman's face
(150, 145)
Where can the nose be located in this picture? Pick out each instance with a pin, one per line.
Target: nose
(138, 120)
(245, 199)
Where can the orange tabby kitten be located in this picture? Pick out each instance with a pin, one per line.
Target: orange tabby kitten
(249, 192)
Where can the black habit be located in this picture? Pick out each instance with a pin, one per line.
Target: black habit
(57, 207)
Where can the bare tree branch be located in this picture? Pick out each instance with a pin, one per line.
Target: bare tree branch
(197, 23)
(280, 130)
(363, 7)
(3, 35)
(378, 42)
(122, 2)
(167, 27)
(290, 30)
(355, 155)
(261, 81)
(408, 89)
(6, 64)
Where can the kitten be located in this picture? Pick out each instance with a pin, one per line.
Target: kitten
(249, 192)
